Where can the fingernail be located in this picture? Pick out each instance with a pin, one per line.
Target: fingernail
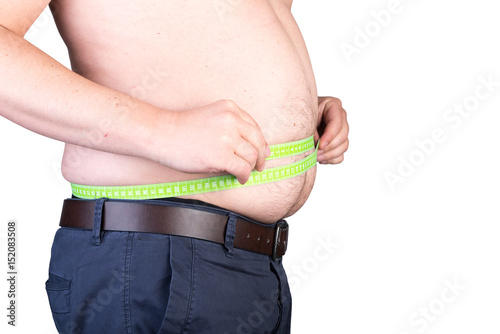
(268, 151)
(321, 158)
(320, 152)
(325, 144)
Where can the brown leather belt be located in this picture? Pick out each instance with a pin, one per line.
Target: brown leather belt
(180, 221)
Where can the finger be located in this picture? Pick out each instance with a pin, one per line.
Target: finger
(333, 155)
(333, 161)
(259, 139)
(334, 123)
(247, 117)
(255, 138)
(239, 168)
(336, 133)
(336, 160)
(247, 152)
(316, 136)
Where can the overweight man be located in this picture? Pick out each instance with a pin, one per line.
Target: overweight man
(191, 131)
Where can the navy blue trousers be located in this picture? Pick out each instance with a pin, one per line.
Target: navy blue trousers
(129, 282)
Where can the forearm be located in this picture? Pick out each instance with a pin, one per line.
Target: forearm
(43, 96)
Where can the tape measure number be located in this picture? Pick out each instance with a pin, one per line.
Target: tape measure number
(217, 183)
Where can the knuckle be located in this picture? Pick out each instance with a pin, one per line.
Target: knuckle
(246, 170)
(338, 159)
(259, 137)
(243, 167)
(229, 104)
(261, 147)
(232, 168)
(242, 172)
(262, 142)
(337, 102)
(254, 155)
(343, 136)
(239, 168)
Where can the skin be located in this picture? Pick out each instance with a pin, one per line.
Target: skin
(170, 91)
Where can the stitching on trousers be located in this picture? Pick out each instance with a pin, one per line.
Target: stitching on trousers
(276, 270)
(126, 284)
(187, 320)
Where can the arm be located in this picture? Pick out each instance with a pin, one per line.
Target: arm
(43, 96)
(333, 130)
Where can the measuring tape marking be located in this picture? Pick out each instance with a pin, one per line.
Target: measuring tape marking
(210, 184)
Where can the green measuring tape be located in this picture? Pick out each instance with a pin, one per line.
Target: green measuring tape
(209, 184)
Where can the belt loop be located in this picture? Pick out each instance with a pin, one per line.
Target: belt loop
(230, 234)
(98, 213)
(280, 240)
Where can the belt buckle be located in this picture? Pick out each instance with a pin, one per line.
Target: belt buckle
(281, 228)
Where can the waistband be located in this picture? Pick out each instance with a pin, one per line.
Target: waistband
(210, 184)
(179, 218)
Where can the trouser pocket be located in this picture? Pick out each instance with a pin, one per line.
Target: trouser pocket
(59, 294)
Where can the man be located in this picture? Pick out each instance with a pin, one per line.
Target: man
(164, 92)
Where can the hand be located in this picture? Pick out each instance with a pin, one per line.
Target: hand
(220, 137)
(333, 130)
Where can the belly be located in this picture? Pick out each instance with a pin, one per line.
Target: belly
(182, 54)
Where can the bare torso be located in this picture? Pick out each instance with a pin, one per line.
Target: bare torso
(180, 54)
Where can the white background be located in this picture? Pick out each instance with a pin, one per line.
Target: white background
(393, 249)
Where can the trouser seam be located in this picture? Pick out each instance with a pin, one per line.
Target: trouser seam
(187, 320)
(126, 284)
(281, 304)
